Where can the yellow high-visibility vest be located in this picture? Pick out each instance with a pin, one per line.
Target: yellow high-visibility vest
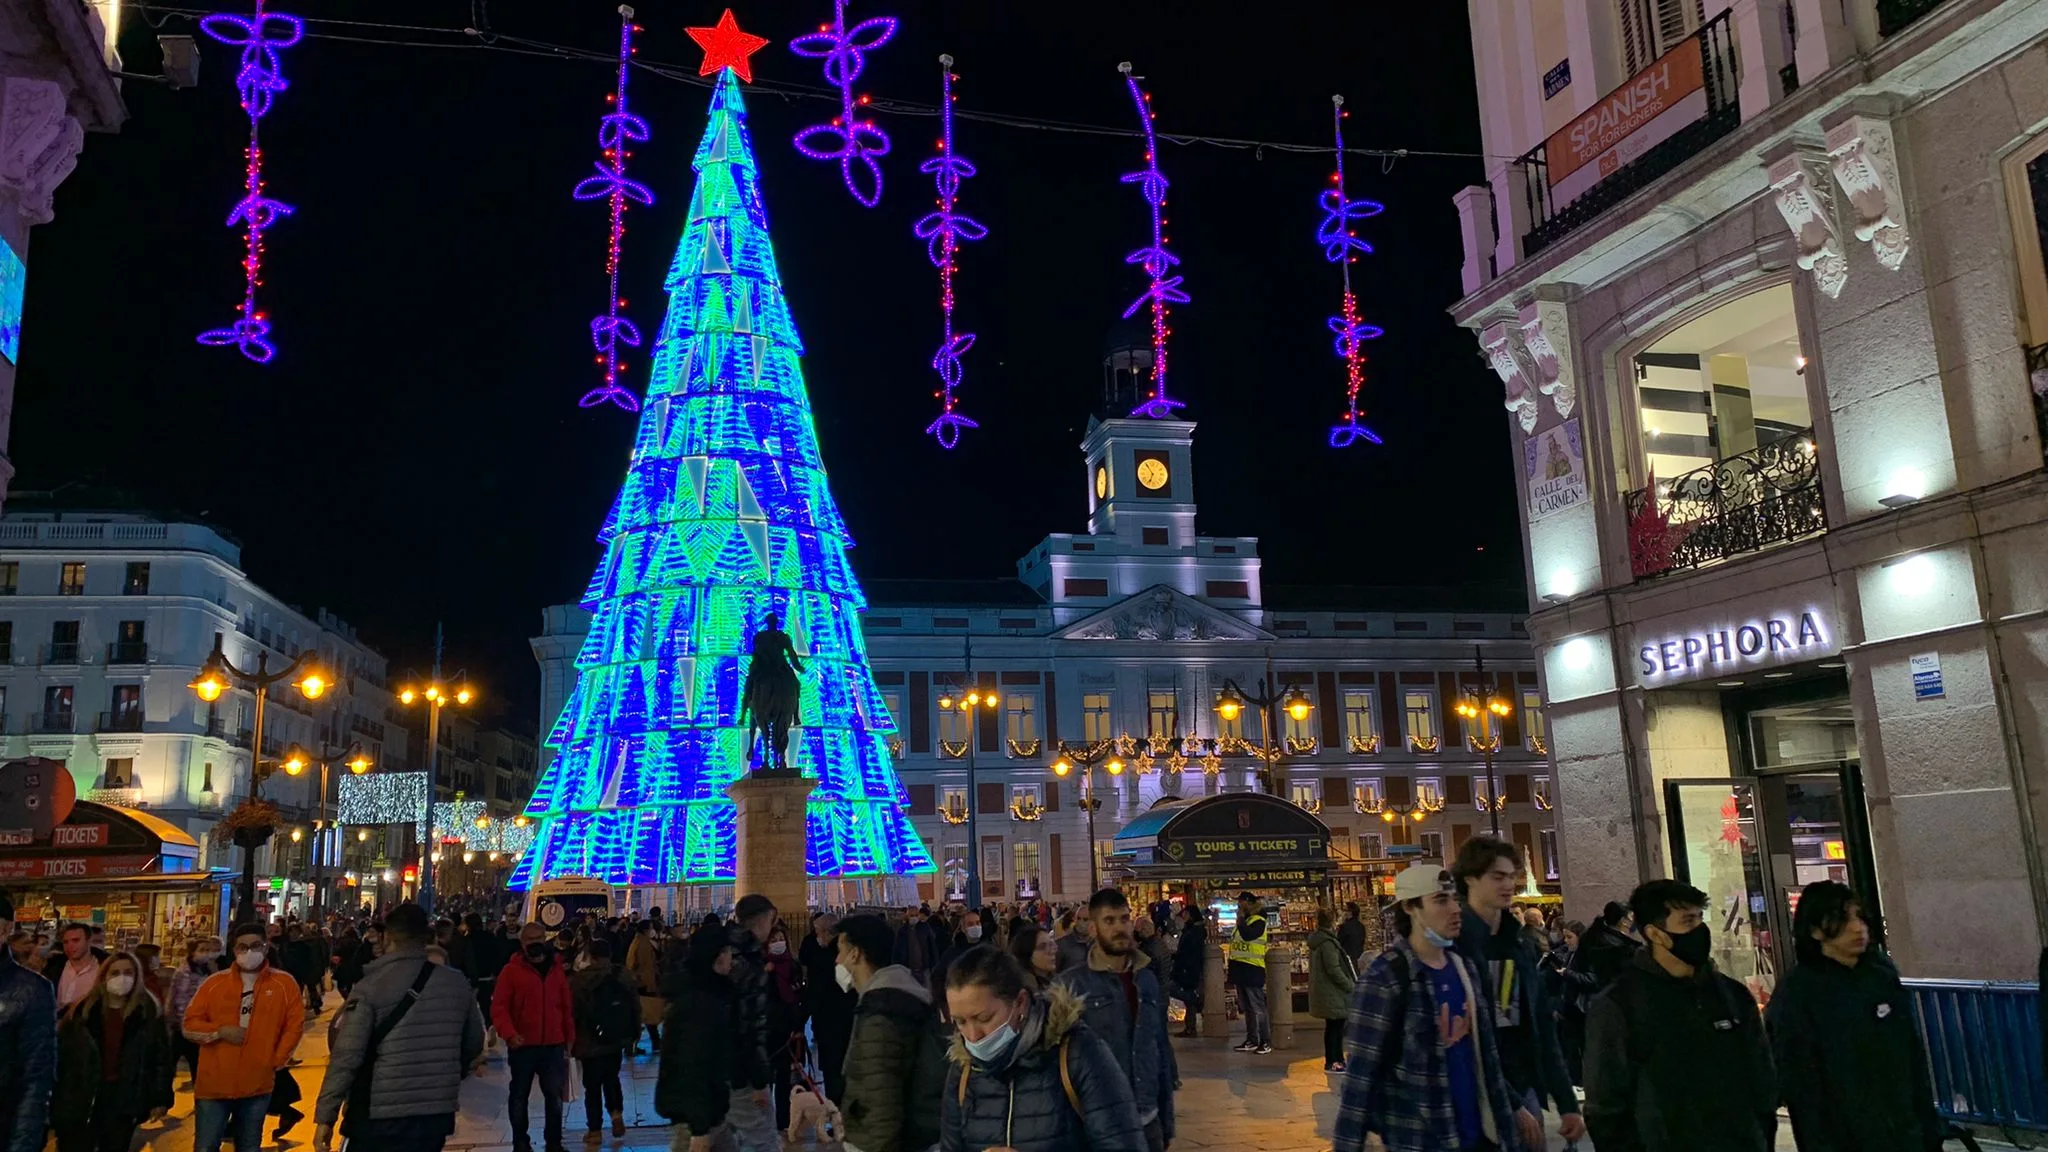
(1243, 951)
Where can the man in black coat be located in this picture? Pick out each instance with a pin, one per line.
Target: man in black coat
(830, 1005)
(1351, 933)
(1850, 1063)
(28, 1034)
(752, 1112)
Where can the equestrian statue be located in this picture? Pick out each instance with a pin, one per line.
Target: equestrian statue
(768, 706)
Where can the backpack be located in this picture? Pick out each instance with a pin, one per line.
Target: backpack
(925, 1087)
(611, 1016)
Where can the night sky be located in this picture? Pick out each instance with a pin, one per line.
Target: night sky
(415, 453)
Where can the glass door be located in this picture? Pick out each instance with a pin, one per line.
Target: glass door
(1716, 847)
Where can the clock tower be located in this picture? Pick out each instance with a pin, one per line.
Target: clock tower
(1139, 477)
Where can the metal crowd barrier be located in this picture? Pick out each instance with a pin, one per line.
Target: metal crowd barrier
(1983, 1043)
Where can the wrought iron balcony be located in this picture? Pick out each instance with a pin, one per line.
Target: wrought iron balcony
(1894, 15)
(217, 727)
(127, 720)
(1551, 221)
(1767, 496)
(128, 652)
(53, 722)
(62, 652)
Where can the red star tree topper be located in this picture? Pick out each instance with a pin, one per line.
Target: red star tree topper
(725, 46)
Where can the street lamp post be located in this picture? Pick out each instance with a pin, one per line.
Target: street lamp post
(1481, 708)
(966, 705)
(297, 760)
(217, 676)
(1230, 704)
(1086, 758)
(437, 697)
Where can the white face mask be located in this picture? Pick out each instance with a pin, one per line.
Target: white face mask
(121, 985)
(779, 947)
(973, 931)
(251, 961)
(844, 975)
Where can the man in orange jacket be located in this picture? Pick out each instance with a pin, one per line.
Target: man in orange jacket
(246, 1021)
(531, 1009)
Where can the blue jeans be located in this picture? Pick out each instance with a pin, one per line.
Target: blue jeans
(1258, 1022)
(243, 1119)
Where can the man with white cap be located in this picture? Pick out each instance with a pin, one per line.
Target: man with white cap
(1422, 1066)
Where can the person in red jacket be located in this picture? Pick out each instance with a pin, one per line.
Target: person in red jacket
(531, 1009)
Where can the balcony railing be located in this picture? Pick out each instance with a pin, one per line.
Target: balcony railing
(1767, 496)
(63, 652)
(243, 738)
(1551, 221)
(1894, 15)
(129, 720)
(128, 652)
(53, 722)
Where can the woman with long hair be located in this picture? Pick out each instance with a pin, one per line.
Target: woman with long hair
(113, 1062)
(1037, 953)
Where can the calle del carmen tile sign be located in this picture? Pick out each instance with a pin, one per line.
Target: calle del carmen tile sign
(1732, 648)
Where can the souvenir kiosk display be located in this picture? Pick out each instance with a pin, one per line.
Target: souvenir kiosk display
(119, 868)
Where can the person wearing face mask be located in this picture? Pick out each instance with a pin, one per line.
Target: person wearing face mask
(969, 935)
(113, 1062)
(887, 1106)
(246, 1021)
(694, 1088)
(1676, 1056)
(830, 1007)
(785, 1016)
(202, 959)
(1124, 1005)
(1025, 1072)
(532, 1008)
(28, 1035)
(1422, 1065)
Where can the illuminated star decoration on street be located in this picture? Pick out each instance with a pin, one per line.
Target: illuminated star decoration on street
(1154, 258)
(942, 232)
(848, 139)
(616, 131)
(725, 46)
(260, 37)
(1339, 243)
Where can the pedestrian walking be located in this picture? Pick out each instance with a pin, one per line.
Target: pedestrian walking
(752, 1114)
(1331, 979)
(1123, 1004)
(1152, 942)
(247, 1022)
(1074, 940)
(1351, 933)
(829, 1006)
(1493, 939)
(1036, 952)
(643, 962)
(694, 1088)
(202, 959)
(605, 1001)
(888, 1105)
(1570, 987)
(113, 1062)
(1246, 952)
(399, 1047)
(28, 1034)
(1422, 1065)
(1607, 949)
(1676, 1057)
(76, 969)
(1851, 1068)
(785, 1018)
(532, 1012)
(1190, 965)
(968, 936)
(916, 947)
(1025, 1071)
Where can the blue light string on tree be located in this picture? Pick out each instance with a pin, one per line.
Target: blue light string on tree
(1340, 244)
(854, 142)
(616, 131)
(1153, 258)
(942, 232)
(260, 36)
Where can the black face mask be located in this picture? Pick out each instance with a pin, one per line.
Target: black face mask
(1692, 948)
(539, 953)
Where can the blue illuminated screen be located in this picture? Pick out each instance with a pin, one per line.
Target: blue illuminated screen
(13, 279)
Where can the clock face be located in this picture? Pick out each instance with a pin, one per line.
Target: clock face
(1101, 482)
(1152, 473)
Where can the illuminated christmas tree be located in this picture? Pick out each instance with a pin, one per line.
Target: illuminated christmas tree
(724, 519)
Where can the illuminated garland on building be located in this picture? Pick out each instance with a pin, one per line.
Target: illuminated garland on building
(942, 232)
(261, 78)
(848, 138)
(383, 798)
(617, 130)
(1153, 258)
(1339, 243)
(723, 517)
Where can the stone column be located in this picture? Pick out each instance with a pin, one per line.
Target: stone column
(771, 850)
(1280, 994)
(1215, 1013)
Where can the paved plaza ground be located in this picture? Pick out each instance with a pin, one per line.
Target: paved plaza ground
(1229, 1100)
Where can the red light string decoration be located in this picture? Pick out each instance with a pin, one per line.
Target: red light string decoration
(1154, 258)
(1339, 245)
(260, 37)
(616, 131)
(852, 141)
(942, 232)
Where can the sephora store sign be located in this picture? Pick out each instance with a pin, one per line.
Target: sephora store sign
(1735, 647)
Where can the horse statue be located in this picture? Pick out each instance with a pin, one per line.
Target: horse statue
(768, 704)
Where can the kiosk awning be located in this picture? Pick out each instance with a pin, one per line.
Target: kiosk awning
(1260, 838)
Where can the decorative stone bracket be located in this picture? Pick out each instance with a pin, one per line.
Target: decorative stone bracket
(1547, 337)
(1800, 187)
(39, 143)
(1498, 340)
(1867, 167)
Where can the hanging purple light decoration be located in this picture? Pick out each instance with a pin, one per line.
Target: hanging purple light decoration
(942, 231)
(1339, 245)
(616, 131)
(260, 37)
(1154, 259)
(848, 138)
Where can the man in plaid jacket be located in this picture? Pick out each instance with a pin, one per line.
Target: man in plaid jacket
(1422, 1065)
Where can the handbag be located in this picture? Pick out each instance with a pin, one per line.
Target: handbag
(359, 1092)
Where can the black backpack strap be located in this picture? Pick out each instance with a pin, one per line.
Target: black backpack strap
(405, 1003)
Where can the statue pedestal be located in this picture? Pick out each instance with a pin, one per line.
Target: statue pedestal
(769, 858)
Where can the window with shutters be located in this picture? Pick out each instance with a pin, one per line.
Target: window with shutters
(1650, 28)
(1020, 718)
(1359, 725)
(1370, 847)
(953, 798)
(1095, 717)
(1432, 845)
(1534, 736)
(1026, 796)
(1162, 712)
(1303, 793)
(952, 725)
(1371, 794)
(1429, 791)
(1419, 705)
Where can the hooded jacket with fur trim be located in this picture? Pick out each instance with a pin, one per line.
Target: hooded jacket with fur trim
(1139, 1044)
(1018, 1101)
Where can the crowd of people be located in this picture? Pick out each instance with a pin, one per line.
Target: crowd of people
(1020, 1027)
